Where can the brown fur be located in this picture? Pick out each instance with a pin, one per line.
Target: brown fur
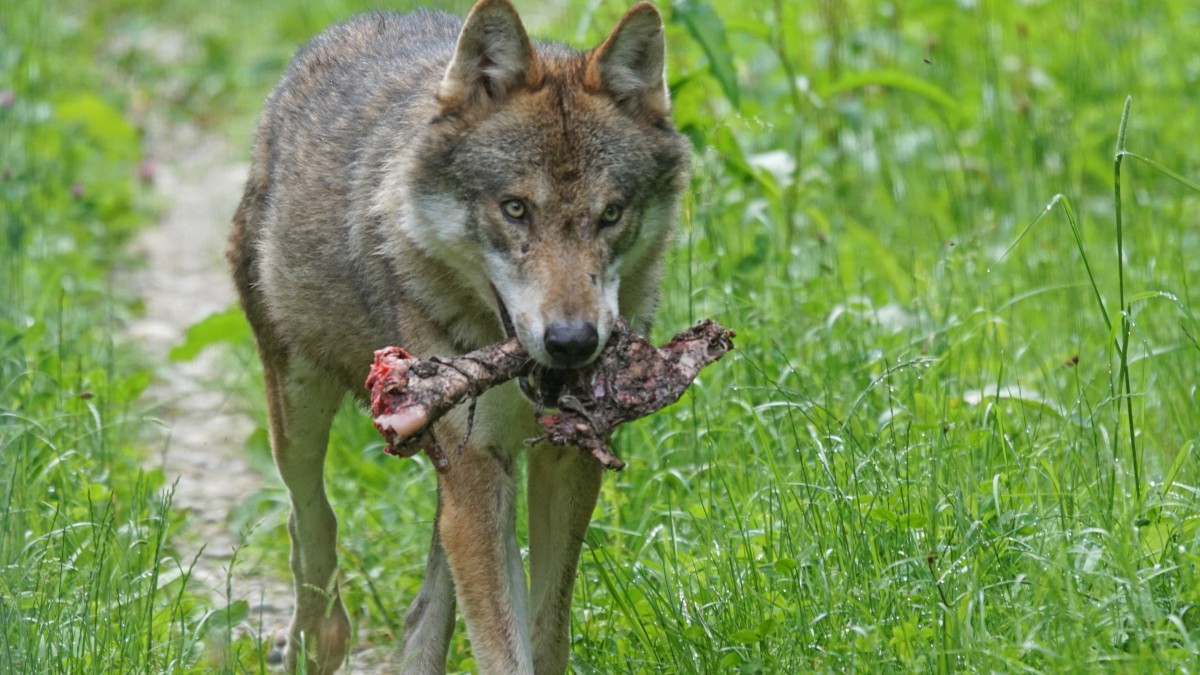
(375, 214)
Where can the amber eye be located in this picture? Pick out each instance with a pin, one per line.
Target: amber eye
(514, 209)
(611, 215)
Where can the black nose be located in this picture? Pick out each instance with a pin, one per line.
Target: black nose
(571, 343)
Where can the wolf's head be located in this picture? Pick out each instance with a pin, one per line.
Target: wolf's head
(549, 180)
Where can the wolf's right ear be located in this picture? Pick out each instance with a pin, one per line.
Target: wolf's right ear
(493, 57)
(630, 64)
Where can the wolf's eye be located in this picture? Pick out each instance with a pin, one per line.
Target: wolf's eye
(611, 215)
(514, 209)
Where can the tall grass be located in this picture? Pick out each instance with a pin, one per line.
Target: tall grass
(959, 429)
(88, 582)
(917, 460)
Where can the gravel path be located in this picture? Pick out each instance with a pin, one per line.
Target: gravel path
(203, 431)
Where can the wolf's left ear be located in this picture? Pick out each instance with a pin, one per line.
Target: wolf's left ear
(493, 57)
(630, 64)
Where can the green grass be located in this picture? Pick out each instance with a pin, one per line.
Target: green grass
(89, 582)
(82, 528)
(959, 429)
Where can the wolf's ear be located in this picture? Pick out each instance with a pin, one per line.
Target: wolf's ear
(629, 64)
(493, 57)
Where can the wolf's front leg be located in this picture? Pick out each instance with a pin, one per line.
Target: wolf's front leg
(301, 403)
(429, 623)
(563, 486)
(477, 529)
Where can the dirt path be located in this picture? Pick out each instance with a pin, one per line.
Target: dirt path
(204, 430)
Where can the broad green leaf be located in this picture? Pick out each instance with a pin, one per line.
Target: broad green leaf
(899, 81)
(101, 121)
(766, 627)
(707, 29)
(785, 565)
(746, 636)
(730, 660)
(227, 326)
(884, 515)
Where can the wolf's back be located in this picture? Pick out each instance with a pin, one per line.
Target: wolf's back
(341, 88)
(325, 134)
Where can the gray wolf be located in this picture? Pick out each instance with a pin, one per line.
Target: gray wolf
(439, 184)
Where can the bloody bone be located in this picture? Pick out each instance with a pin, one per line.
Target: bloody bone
(629, 380)
(409, 394)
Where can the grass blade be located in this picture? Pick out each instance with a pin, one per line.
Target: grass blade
(1123, 348)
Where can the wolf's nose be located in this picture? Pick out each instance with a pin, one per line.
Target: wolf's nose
(570, 344)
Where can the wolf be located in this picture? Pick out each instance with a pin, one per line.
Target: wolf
(442, 184)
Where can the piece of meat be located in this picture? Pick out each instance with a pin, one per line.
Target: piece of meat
(409, 394)
(629, 380)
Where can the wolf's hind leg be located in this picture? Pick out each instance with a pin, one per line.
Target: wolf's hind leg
(563, 486)
(302, 402)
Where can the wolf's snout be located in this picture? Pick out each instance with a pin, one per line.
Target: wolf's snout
(571, 343)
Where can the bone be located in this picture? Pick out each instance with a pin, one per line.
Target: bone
(629, 380)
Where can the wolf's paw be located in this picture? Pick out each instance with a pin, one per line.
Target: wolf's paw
(322, 638)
